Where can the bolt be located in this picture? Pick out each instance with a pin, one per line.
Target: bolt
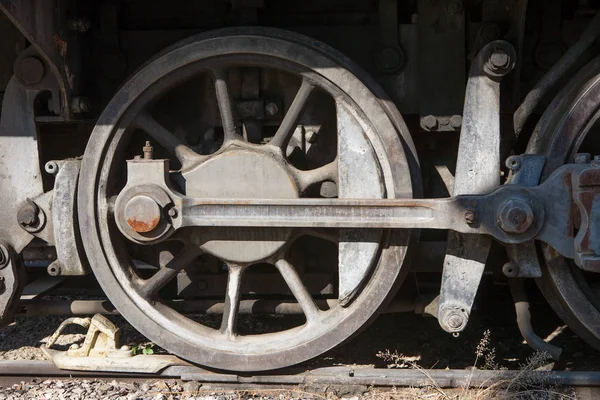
(173, 213)
(509, 270)
(456, 7)
(80, 105)
(582, 158)
(456, 121)
(513, 163)
(499, 59)
(125, 348)
(51, 167)
(54, 268)
(74, 346)
(142, 214)
(148, 151)
(137, 157)
(271, 109)
(31, 70)
(470, 217)
(27, 216)
(429, 122)
(455, 321)
(515, 216)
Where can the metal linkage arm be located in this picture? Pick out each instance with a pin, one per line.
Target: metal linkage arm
(148, 210)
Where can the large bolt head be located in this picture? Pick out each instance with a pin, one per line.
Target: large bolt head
(499, 59)
(429, 122)
(142, 214)
(515, 216)
(455, 321)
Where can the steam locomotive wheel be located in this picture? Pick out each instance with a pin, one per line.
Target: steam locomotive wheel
(570, 126)
(363, 151)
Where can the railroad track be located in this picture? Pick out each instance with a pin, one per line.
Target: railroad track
(337, 376)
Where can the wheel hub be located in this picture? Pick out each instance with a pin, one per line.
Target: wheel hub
(242, 173)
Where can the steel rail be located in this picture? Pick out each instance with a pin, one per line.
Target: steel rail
(338, 376)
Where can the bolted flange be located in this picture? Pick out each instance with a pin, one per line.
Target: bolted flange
(515, 216)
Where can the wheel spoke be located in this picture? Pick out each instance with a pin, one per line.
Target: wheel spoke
(327, 172)
(293, 115)
(168, 140)
(224, 103)
(304, 298)
(232, 300)
(151, 286)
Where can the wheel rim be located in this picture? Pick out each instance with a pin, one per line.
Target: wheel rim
(223, 348)
(560, 134)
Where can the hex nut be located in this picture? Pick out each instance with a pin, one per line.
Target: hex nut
(515, 216)
(456, 121)
(499, 59)
(455, 321)
(470, 217)
(30, 217)
(429, 122)
(582, 158)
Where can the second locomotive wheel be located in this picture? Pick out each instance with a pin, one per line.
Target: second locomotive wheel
(246, 113)
(570, 126)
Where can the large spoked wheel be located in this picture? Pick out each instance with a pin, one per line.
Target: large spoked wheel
(188, 103)
(569, 126)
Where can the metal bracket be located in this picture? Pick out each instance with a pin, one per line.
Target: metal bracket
(52, 217)
(100, 350)
(525, 170)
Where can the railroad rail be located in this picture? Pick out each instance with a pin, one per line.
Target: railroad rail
(337, 375)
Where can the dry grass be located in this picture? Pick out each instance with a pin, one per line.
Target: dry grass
(524, 385)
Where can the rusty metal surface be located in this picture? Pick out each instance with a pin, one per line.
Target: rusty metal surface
(586, 185)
